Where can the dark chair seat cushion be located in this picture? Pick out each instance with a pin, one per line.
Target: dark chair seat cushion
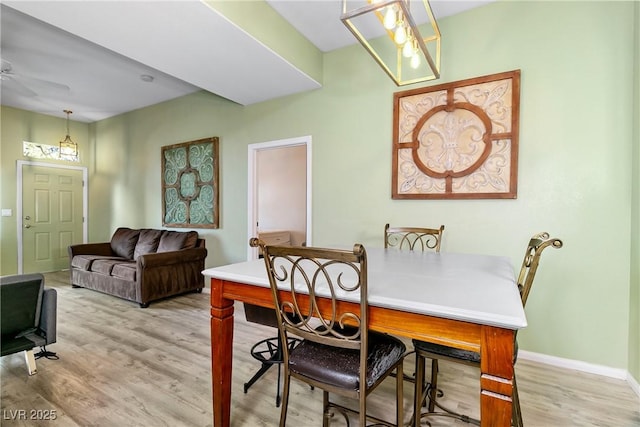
(454, 353)
(340, 367)
(14, 345)
(446, 352)
(264, 316)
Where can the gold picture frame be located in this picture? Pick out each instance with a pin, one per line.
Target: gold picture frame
(457, 140)
(190, 193)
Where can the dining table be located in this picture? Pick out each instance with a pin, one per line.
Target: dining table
(462, 300)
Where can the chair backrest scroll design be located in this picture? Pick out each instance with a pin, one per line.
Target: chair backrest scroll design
(537, 244)
(310, 286)
(413, 238)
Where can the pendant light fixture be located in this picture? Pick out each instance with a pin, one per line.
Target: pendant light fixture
(404, 53)
(68, 148)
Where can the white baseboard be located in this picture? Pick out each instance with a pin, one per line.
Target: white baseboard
(581, 366)
(633, 383)
(576, 365)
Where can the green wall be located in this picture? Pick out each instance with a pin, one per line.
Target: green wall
(578, 164)
(634, 300)
(17, 126)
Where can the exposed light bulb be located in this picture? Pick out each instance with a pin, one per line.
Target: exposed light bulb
(401, 34)
(415, 61)
(407, 50)
(389, 20)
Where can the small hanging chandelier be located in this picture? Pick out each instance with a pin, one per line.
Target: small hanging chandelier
(67, 146)
(404, 53)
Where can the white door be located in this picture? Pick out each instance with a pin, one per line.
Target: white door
(52, 216)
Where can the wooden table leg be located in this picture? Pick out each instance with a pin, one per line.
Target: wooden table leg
(496, 378)
(221, 354)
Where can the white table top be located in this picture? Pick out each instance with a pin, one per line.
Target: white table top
(474, 288)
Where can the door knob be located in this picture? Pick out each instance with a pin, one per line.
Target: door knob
(27, 226)
(27, 217)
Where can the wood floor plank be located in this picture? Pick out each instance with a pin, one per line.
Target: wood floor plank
(121, 365)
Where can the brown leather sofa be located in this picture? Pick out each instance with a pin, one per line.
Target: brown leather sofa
(140, 265)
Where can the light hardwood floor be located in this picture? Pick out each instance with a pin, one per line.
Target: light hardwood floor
(121, 365)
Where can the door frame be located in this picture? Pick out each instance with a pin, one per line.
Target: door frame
(252, 203)
(20, 220)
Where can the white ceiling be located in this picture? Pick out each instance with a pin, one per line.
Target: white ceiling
(88, 56)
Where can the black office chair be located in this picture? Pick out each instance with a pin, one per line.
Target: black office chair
(338, 353)
(27, 317)
(436, 352)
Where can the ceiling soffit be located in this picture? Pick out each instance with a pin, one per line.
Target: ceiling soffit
(189, 40)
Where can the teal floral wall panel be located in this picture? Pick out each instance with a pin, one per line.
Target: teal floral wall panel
(190, 184)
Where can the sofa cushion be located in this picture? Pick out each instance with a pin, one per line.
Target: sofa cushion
(104, 266)
(84, 262)
(147, 242)
(123, 242)
(177, 240)
(125, 271)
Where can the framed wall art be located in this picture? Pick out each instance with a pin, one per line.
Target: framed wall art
(190, 190)
(457, 140)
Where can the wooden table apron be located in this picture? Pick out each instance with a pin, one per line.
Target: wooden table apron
(495, 345)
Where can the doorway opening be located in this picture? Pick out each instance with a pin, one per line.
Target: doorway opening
(279, 193)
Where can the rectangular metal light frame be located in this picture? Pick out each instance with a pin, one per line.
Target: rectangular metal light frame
(434, 65)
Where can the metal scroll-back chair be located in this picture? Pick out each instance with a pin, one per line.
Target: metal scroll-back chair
(413, 238)
(436, 352)
(267, 351)
(326, 291)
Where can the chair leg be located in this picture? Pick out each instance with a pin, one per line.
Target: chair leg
(31, 361)
(363, 408)
(400, 396)
(433, 389)
(418, 390)
(268, 352)
(263, 369)
(285, 398)
(430, 391)
(326, 415)
(278, 385)
(517, 413)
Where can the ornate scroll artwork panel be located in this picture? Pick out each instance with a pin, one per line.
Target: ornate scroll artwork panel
(190, 184)
(457, 140)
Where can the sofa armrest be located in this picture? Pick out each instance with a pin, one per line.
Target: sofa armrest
(163, 259)
(90, 249)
